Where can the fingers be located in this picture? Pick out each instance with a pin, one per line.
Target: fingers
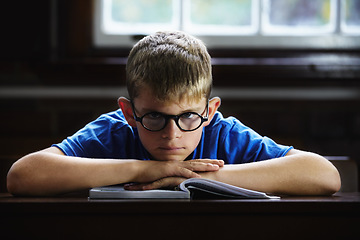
(220, 163)
(189, 169)
(151, 171)
(203, 165)
(187, 172)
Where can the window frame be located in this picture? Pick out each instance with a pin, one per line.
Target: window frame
(260, 39)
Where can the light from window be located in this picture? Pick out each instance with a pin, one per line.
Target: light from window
(350, 22)
(299, 17)
(230, 17)
(242, 23)
(234, 17)
(139, 16)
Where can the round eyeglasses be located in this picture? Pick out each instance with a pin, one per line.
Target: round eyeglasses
(188, 121)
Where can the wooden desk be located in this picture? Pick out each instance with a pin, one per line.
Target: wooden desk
(336, 217)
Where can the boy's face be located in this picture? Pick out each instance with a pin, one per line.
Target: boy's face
(170, 143)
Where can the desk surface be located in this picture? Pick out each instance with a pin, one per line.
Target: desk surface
(348, 203)
(333, 216)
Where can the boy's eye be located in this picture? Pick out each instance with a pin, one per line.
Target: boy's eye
(187, 115)
(154, 115)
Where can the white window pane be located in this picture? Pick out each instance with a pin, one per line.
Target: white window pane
(232, 23)
(139, 16)
(141, 11)
(299, 17)
(216, 17)
(351, 16)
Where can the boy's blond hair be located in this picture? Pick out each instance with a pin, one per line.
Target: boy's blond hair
(173, 65)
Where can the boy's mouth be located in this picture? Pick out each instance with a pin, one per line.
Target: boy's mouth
(171, 149)
(170, 153)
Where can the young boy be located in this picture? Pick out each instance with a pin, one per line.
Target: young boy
(170, 121)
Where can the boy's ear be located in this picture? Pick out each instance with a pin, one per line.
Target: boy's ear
(214, 104)
(127, 110)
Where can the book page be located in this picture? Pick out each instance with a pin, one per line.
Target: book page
(221, 189)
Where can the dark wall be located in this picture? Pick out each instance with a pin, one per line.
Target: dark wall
(45, 45)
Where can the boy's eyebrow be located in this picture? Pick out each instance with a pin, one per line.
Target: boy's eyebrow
(148, 110)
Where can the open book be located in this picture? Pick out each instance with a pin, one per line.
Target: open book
(194, 188)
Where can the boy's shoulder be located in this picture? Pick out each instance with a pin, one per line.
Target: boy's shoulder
(110, 123)
(115, 118)
(219, 121)
(231, 127)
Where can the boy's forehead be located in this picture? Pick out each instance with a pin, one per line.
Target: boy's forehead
(146, 101)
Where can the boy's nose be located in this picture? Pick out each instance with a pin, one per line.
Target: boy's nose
(171, 131)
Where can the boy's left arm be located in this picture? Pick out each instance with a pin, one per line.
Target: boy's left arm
(297, 173)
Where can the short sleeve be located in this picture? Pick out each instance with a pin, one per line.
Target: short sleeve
(89, 141)
(244, 145)
(109, 136)
(230, 140)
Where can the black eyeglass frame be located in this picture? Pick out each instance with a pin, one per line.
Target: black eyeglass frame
(175, 117)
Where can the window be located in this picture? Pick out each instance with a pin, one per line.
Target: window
(235, 23)
(139, 16)
(298, 17)
(214, 17)
(350, 21)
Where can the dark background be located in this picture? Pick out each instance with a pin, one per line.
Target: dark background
(49, 44)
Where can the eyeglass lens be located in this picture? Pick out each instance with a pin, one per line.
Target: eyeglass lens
(186, 121)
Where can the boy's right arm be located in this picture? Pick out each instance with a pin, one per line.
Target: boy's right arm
(50, 172)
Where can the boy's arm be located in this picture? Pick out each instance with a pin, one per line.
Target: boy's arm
(50, 172)
(297, 173)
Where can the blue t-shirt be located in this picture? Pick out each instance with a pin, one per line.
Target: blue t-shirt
(110, 136)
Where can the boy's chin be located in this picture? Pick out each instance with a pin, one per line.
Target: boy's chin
(170, 155)
(170, 158)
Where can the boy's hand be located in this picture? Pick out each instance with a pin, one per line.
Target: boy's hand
(151, 171)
